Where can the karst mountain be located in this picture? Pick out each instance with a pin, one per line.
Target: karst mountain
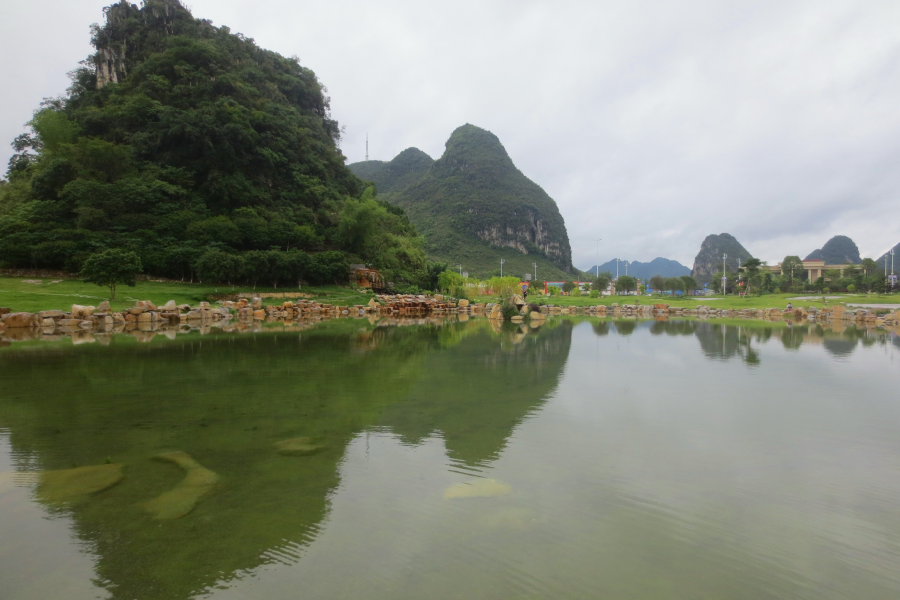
(474, 207)
(709, 260)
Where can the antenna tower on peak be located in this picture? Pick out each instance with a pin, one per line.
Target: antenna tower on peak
(367, 146)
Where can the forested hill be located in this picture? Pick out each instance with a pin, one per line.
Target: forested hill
(839, 250)
(709, 260)
(180, 140)
(474, 207)
(407, 168)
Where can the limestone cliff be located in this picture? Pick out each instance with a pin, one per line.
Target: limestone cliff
(709, 260)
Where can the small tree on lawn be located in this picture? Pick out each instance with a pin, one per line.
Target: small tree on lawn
(111, 268)
(658, 283)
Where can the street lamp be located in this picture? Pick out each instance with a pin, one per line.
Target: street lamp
(501, 267)
(535, 270)
(597, 274)
(724, 275)
(626, 268)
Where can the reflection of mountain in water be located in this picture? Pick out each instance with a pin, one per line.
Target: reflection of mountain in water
(226, 401)
(475, 393)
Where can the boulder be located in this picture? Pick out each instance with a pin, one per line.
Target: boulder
(198, 482)
(301, 446)
(21, 320)
(50, 314)
(80, 312)
(463, 303)
(145, 304)
(204, 306)
(477, 488)
(5, 311)
(136, 310)
(256, 303)
(103, 307)
(71, 484)
(48, 323)
(170, 306)
(837, 312)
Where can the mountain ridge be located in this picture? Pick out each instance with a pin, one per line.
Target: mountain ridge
(658, 266)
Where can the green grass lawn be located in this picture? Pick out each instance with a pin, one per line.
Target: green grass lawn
(32, 297)
(721, 302)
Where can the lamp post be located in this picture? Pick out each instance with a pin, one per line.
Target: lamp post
(626, 268)
(724, 275)
(535, 270)
(597, 274)
(501, 267)
(617, 269)
(460, 270)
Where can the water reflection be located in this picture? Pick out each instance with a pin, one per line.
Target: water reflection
(226, 403)
(622, 468)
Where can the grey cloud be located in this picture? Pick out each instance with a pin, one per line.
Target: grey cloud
(652, 124)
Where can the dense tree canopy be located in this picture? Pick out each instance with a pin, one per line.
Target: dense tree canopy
(181, 141)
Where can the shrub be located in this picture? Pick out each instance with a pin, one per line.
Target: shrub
(595, 293)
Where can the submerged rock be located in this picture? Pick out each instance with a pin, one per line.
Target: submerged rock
(477, 488)
(180, 500)
(301, 446)
(71, 484)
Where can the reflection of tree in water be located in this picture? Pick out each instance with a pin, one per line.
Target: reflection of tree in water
(723, 342)
(226, 401)
(679, 327)
(625, 326)
(601, 327)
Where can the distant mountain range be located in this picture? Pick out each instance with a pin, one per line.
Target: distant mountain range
(644, 271)
(475, 208)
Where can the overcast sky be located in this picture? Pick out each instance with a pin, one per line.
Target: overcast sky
(652, 124)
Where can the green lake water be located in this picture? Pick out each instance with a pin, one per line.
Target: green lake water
(583, 459)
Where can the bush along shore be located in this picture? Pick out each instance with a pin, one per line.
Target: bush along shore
(145, 319)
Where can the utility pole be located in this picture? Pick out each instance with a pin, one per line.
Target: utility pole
(501, 267)
(724, 275)
(626, 268)
(460, 270)
(739, 269)
(535, 270)
(892, 269)
(597, 274)
(617, 269)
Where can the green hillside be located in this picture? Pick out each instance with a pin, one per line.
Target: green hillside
(838, 250)
(178, 139)
(474, 207)
(407, 168)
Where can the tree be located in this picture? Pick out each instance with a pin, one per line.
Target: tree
(626, 283)
(689, 283)
(111, 268)
(219, 266)
(601, 283)
(568, 286)
(868, 266)
(658, 283)
(792, 268)
(674, 284)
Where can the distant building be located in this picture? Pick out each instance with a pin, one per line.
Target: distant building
(814, 268)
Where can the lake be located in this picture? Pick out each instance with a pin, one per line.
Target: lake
(587, 458)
